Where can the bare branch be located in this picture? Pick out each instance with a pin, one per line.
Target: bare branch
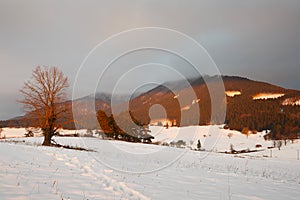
(42, 94)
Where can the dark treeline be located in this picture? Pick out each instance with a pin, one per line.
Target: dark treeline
(257, 115)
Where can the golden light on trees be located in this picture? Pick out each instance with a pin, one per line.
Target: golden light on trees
(43, 94)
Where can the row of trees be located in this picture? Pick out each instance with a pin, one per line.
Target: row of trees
(247, 114)
(123, 127)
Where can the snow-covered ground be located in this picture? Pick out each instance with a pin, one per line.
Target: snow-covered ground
(232, 93)
(291, 101)
(122, 170)
(213, 138)
(12, 132)
(268, 96)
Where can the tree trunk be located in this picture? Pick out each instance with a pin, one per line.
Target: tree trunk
(47, 138)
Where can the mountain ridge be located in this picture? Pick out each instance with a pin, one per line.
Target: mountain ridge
(167, 95)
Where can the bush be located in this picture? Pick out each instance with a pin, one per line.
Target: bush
(29, 133)
(178, 144)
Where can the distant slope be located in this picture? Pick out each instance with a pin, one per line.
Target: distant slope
(164, 96)
(250, 104)
(255, 106)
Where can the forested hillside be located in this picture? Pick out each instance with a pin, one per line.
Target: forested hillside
(250, 106)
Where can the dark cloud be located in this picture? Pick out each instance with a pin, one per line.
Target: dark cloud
(257, 39)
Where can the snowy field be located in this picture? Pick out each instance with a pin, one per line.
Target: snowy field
(122, 170)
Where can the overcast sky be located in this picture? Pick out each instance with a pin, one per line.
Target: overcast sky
(258, 39)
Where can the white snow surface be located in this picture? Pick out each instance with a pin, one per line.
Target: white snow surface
(268, 96)
(122, 170)
(12, 132)
(213, 138)
(291, 101)
(232, 93)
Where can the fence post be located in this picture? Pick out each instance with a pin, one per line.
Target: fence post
(271, 153)
(298, 154)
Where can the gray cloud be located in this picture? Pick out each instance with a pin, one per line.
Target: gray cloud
(257, 39)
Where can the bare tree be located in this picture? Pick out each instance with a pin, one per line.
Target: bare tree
(42, 95)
